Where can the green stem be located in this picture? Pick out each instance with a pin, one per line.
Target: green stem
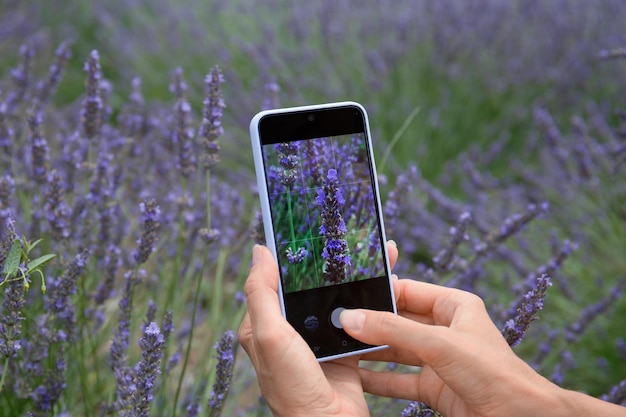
(196, 299)
(4, 372)
(396, 138)
(291, 228)
(208, 199)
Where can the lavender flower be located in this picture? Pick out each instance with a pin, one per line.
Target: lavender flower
(193, 409)
(21, 77)
(110, 265)
(119, 346)
(133, 118)
(617, 394)
(418, 409)
(91, 115)
(39, 148)
(45, 88)
(150, 225)
(271, 101)
(11, 319)
(296, 257)
(147, 369)
(47, 394)
(333, 229)
(258, 230)
(589, 313)
(289, 160)
(7, 188)
(61, 291)
(510, 226)
(6, 136)
(224, 372)
(444, 259)
(183, 132)
(531, 303)
(56, 210)
(211, 128)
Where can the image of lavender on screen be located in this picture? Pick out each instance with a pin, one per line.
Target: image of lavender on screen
(333, 229)
(289, 160)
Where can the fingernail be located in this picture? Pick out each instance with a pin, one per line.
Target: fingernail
(392, 242)
(256, 254)
(352, 319)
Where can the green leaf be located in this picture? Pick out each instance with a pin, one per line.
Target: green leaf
(12, 262)
(30, 246)
(36, 263)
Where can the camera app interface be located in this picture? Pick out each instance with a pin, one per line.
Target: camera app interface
(324, 211)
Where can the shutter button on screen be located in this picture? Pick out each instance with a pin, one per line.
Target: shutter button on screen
(334, 317)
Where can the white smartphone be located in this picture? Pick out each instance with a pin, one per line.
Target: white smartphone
(323, 219)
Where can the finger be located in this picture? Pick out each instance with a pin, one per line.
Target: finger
(439, 302)
(392, 251)
(430, 344)
(390, 384)
(393, 355)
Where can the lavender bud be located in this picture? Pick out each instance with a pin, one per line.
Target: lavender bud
(272, 90)
(147, 369)
(617, 394)
(61, 291)
(296, 257)
(183, 132)
(444, 259)
(46, 88)
(258, 230)
(57, 212)
(530, 304)
(112, 262)
(224, 372)
(211, 128)
(92, 107)
(418, 409)
(11, 319)
(21, 77)
(289, 160)
(6, 135)
(47, 394)
(209, 236)
(39, 148)
(150, 225)
(118, 359)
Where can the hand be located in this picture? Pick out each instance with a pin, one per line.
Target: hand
(291, 380)
(468, 369)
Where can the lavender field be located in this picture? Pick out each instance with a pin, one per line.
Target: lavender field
(128, 206)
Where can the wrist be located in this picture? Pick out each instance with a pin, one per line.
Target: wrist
(579, 404)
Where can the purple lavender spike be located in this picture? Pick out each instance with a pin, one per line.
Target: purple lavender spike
(211, 128)
(56, 210)
(223, 372)
(333, 229)
(183, 132)
(150, 224)
(39, 148)
(418, 409)
(532, 302)
(91, 115)
(147, 370)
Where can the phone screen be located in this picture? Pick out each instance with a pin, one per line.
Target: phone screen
(325, 217)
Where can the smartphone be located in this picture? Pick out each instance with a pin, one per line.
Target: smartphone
(323, 220)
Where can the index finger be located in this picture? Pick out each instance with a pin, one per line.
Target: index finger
(441, 303)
